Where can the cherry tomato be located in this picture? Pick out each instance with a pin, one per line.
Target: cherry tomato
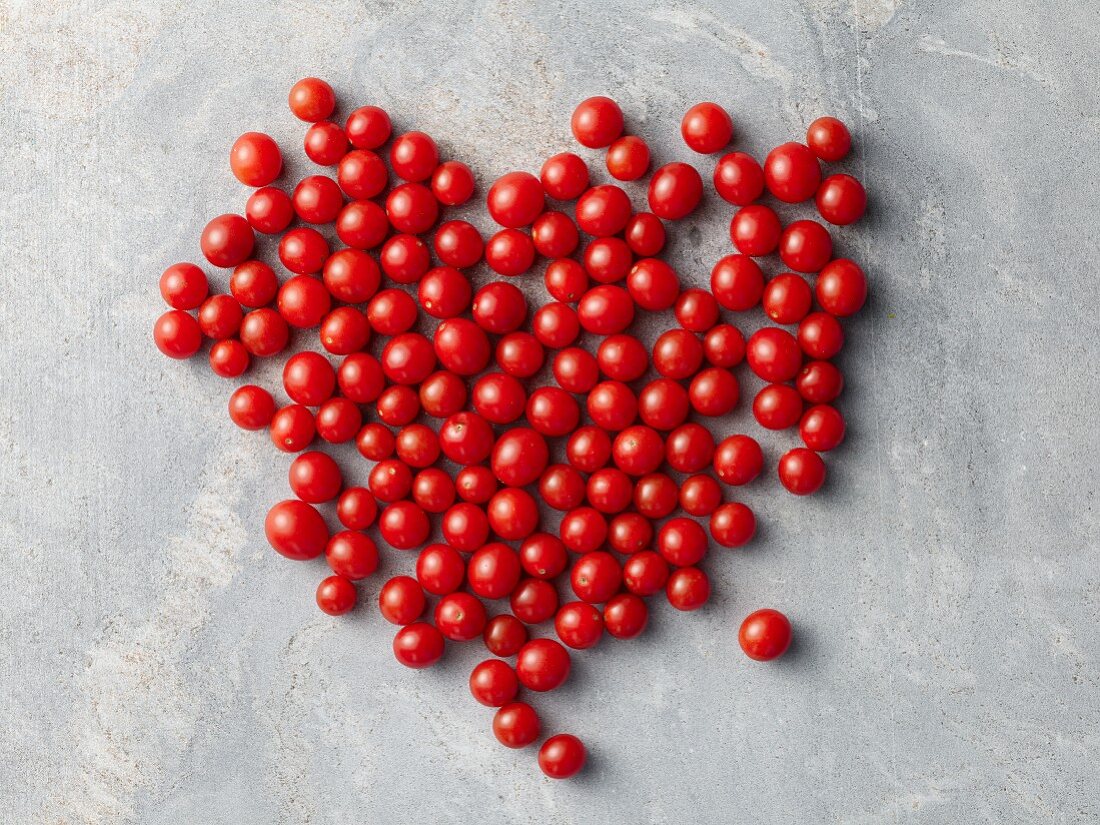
(625, 616)
(553, 411)
(466, 438)
(414, 156)
(575, 370)
(805, 246)
(356, 510)
(519, 457)
(534, 601)
(566, 280)
(820, 336)
(453, 183)
(368, 127)
(645, 234)
(461, 346)
(513, 513)
(732, 524)
(612, 406)
(628, 158)
(774, 354)
(375, 442)
(252, 283)
(412, 208)
(596, 577)
(700, 495)
(317, 199)
(609, 490)
(303, 301)
(516, 725)
(724, 346)
(308, 378)
(629, 533)
(663, 404)
(653, 284)
(460, 617)
(228, 358)
(433, 490)
(588, 449)
(738, 460)
(841, 288)
(360, 377)
(499, 398)
(828, 138)
(801, 471)
(408, 358)
(787, 298)
(562, 756)
(293, 428)
(706, 128)
(251, 407)
(556, 325)
(325, 144)
(543, 556)
(688, 588)
(184, 286)
(542, 665)
(674, 191)
(638, 450)
(418, 645)
(583, 530)
(398, 405)
(303, 250)
(338, 420)
(442, 394)
(608, 260)
(645, 573)
(822, 428)
(622, 358)
(417, 445)
(465, 527)
(344, 330)
(311, 99)
(255, 159)
(737, 282)
(520, 354)
(682, 542)
(564, 176)
(493, 683)
(579, 625)
(227, 240)
(404, 525)
(765, 635)
(362, 224)
(755, 230)
(352, 554)
(177, 334)
(841, 200)
(390, 480)
(596, 122)
(499, 307)
(269, 210)
(391, 312)
(792, 172)
(510, 252)
(458, 244)
(296, 530)
(475, 484)
(554, 235)
(605, 310)
(603, 211)
(336, 595)
(493, 571)
(738, 179)
(777, 407)
(714, 392)
(315, 477)
(504, 635)
(516, 199)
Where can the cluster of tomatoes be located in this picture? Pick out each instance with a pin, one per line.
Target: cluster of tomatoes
(450, 374)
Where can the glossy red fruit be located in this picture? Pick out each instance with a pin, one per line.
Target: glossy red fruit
(674, 191)
(787, 298)
(311, 99)
(628, 158)
(368, 127)
(562, 756)
(317, 199)
(653, 284)
(418, 645)
(645, 573)
(579, 625)
(564, 176)
(688, 588)
(349, 553)
(513, 513)
(732, 524)
(515, 199)
(605, 310)
(777, 407)
(458, 244)
(336, 595)
(774, 354)
(738, 178)
(625, 616)
(296, 530)
(765, 635)
(543, 556)
(706, 128)
(566, 280)
(184, 286)
(603, 211)
(689, 448)
(404, 525)
(177, 334)
(738, 460)
(682, 542)
(453, 183)
(414, 156)
(493, 571)
(504, 635)
(700, 495)
(596, 122)
(325, 143)
(534, 601)
(841, 200)
(516, 725)
(841, 288)
(737, 282)
(645, 234)
(460, 617)
(269, 210)
(554, 235)
(822, 428)
(805, 246)
(801, 471)
(542, 665)
(629, 533)
(315, 477)
(519, 457)
(755, 230)
(462, 346)
(255, 159)
(227, 240)
(596, 577)
(820, 336)
(493, 683)
(828, 138)
(792, 172)
(583, 530)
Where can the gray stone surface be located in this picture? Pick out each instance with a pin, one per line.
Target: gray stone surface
(159, 664)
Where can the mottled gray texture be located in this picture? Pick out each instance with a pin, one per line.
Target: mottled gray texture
(159, 664)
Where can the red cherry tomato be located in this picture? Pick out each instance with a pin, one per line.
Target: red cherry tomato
(629, 533)
(391, 312)
(625, 616)
(362, 174)
(418, 645)
(362, 224)
(499, 307)
(583, 529)
(682, 542)
(805, 246)
(564, 176)
(516, 725)
(706, 128)
(777, 407)
(414, 156)
(461, 346)
(519, 457)
(700, 495)
(566, 280)
(674, 191)
(493, 571)
(542, 665)
(296, 530)
(664, 404)
(303, 301)
(765, 635)
(738, 460)
(612, 406)
(755, 230)
(220, 317)
(603, 211)
(534, 601)
(475, 484)
(801, 471)
(792, 172)
(177, 334)
(227, 240)
(653, 284)
(453, 183)
(596, 122)
(404, 525)
(317, 199)
(724, 346)
(628, 158)
(309, 378)
(311, 99)
(293, 428)
(554, 235)
(412, 208)
(820, 336)
(368, 127)
(543, 556)
(645, 573)
(841, 288)
(822, 428)
(336, 595)
(493, 683)
(516, 199)
(499, 398)
(787, 298)
(460, 617)
(458, 244)
(605, 310)
(520, 354)
(184, 286)
(349, 553)
(303, 250)
(737, 282)
(465, 527)
(510, 252)
(357, 510)
(264, 332)
(229, 358)
(562, 756)
(645, 234)
(325, 143)
(253, 284)
(269, 210)
(773, 354)
(738, 179)
(596, 577)
(588, 449)
(513, 514)
(553, 411)
(315, 477)
(504, 635)
(688, 588)
(338, 420)
(638, 450)
(255, 159)
(697, 310)
(251, 407)
(828, 138)
(579, 625)
(732, 524)
(689, 448)
(841, 200)
(608, 260)
(714, 392)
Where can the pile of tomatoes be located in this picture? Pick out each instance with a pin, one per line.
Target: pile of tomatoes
(480, 413)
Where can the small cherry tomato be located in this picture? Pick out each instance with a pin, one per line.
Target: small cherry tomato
(822, 428)
(227, 240)
(792, 172)
(269, 210)
(516, 725)
(653, 284)
(737, 282)
(184, 286)
(596, 122)
(494, 683)
(264, 332)
(336, 595)
(700, 495)
(296, 530)
(583, 530)
(229, 358)
(777, 407)
(315, 477)
(404, 525)
(724, 346)
(255, 159)
(493, 571)
(542, 665)
(303, 301)
(460, 617)
(566, 280)
(414, 156)
(251, 407)
(841, 200)
(564, 176)
(738, 460)
(706, 128)
(311, 99)
(458, 244)
(453, 183)
(543, 556)
(325, 143)
(579, 625)
(357, 510)
(625, 616)
(805, 246)
(787, 298)
(755, 230)
(829, 138)
(177, 334)
(504, 635)
(841, 288)
(697, 310)
(515, 199)
(352, 554)
(645, 573)
(596, 577)
(605, 310)
(688, 588)
(253, 284)
(628, 158)
(714, 392)
(682, 542)
(801, 471)
(603, 211)
(510, 252)
(554, 235)
(773, 354)
(317, 199)
(732, 524)
(820, 336)
(645, 234)
(622, 358)
(738, 179)
(368, 127)
(765, 635)
(562, 756)
(418, 645)
(303, 250)
(412, 208)
(534, 601)
(674, 191)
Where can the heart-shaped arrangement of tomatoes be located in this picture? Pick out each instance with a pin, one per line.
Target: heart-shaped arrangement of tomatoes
(474, 406)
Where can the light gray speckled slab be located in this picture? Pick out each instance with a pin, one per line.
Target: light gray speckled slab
(159, 664)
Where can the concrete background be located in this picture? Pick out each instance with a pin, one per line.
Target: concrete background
(159, 664)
